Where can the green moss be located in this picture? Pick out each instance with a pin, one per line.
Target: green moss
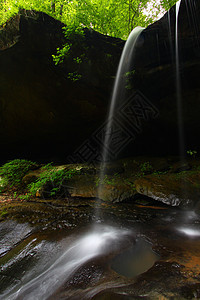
(192, 153)
(131, 184)
(109, 180)
(146, 168)
(13, 171)
(52, 181)
(3, 213)
(75, 39)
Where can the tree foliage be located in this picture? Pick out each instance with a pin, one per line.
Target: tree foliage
(111, 17)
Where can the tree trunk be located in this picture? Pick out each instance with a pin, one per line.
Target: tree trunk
(61, 9)
(53, 7)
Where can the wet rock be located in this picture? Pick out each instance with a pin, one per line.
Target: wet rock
(167, 273)
(85, 184)
(116, 296)
(31, 176)
(114, 189)
(113, 169)
(82, 186)
(174, 276)
(164, 179)
(180, 167)
(12, 233)
(176, 190)
(191, 291)
(116, 192)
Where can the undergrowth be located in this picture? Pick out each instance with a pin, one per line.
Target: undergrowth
(12, 172)
(51, 181)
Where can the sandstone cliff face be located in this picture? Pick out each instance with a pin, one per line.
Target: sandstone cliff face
(43, 114)
(155, 78)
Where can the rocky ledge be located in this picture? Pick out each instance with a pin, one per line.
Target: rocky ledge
(167, 180)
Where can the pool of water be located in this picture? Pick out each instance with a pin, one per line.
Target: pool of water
(136, 260)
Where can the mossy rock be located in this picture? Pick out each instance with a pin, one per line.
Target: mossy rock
(180, 189)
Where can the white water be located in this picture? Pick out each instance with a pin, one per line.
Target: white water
(119, 85)
(118, 94)
(178, 88)
(192, 232)
(101, 240)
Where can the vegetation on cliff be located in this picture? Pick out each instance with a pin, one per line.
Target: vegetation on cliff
(114, 18)
(19, 179)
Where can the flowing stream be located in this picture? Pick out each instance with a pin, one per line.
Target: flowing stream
(91, 245)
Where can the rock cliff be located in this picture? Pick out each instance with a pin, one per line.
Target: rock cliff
(44, 114)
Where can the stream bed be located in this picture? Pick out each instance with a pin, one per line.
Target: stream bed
(132, 250)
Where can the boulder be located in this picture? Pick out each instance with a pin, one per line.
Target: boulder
(85, 184)
(31, 176)
(180, 189)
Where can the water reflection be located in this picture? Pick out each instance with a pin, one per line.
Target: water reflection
(136, 260)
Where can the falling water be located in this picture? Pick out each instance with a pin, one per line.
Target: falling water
(124, 66)
(118, 96)
(178, 88)
(96, 242)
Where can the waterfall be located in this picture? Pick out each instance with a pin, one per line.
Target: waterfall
(178, 88)
(117, 97)
(101, 239)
